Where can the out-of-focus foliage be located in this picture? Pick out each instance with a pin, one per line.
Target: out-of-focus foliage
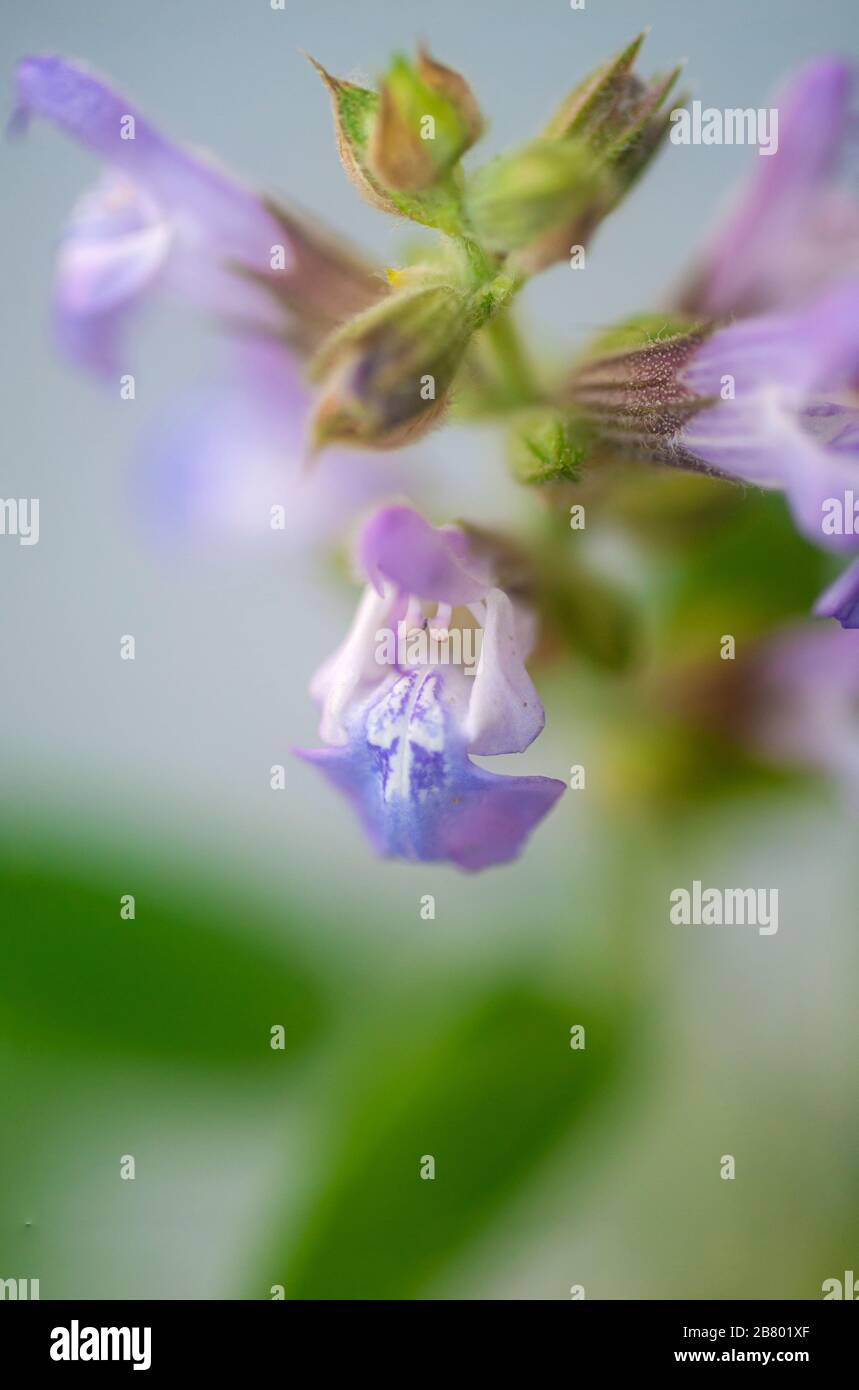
(486, 1092)
(190, 981)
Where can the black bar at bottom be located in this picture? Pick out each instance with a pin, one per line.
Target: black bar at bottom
(219, 1338)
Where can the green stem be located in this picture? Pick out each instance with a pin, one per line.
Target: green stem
(515, 374)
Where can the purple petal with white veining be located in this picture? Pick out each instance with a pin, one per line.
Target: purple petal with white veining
(776, 432)
(419, 797)
(814, 348)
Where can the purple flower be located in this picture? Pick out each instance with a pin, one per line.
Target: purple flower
(159, 219)
(230, 456)
(401, 718)
(164, 221)
(794, 226)
(767, 400)
(778, 422)
(775, 423)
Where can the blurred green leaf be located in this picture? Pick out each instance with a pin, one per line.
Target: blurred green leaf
(753, 573)
(189, 981)
(488, 1093)
(592, 619)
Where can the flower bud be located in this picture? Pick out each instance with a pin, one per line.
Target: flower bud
(388, 372)
(616, 114)
(399, 147)
(537, 200)
(355, 109)
(427, 118)
(550, 196)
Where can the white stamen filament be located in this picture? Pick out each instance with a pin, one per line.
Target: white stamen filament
(441, 621)
(414, 614)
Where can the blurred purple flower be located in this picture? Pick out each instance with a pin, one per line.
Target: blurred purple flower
(807, 684)
(231, 454)
(794, 225)
(164, 221)
(400, 734)
(159, 219)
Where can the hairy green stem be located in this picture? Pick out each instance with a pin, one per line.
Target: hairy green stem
(510, 361)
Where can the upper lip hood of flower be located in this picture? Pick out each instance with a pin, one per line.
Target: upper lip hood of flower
(401, 736)
(398, 547)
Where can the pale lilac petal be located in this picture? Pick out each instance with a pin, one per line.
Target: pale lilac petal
(406, 772)
(770, 251)
(813, 348)
(218, 460)
(114, 249)
(115, 242)
(353, 667)
(841, 599)
(434, 563)
(774, 432)
(504, 714)
(760, 442)
(95, 341)
(215, 209)
(162, 217)
(743, 439)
